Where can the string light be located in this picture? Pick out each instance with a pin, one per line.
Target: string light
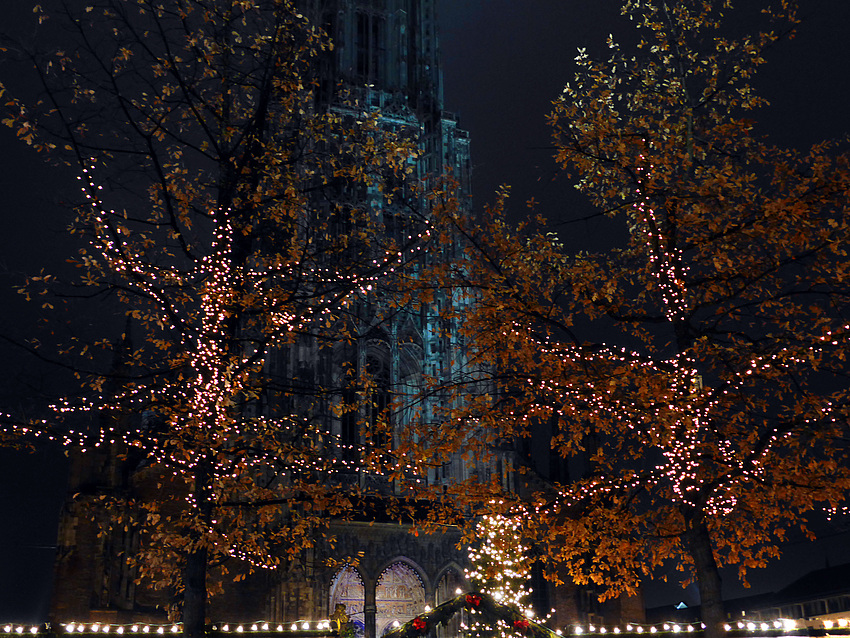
(500, 567)
(198, 405)
(96, 628)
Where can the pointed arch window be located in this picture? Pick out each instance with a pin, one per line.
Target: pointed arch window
(399, 596)
(368, 415)
(371, 46)
(347, 589)
(378, 408)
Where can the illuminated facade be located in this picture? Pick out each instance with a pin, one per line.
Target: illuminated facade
(385, 57)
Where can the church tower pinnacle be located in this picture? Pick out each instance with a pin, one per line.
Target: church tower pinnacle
(391, 46)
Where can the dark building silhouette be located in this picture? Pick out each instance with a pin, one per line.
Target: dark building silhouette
(820, 598)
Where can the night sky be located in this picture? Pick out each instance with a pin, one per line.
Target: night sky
(504, 62)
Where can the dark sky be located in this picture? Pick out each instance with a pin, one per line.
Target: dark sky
(504, 62)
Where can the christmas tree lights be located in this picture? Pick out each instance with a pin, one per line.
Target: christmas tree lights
(500, 567)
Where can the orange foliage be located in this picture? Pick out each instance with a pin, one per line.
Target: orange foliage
(230, 216)
(698, 370)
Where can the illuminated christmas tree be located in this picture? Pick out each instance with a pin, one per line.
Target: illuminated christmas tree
(500, 567)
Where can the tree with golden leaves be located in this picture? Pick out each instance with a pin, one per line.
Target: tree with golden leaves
(229, 214)
(698, 369)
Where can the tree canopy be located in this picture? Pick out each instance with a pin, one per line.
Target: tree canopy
(694, 376)
(229, 214)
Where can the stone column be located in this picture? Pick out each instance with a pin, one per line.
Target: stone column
(431, 598)
(370, 608)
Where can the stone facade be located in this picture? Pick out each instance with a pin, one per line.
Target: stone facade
(398, 575)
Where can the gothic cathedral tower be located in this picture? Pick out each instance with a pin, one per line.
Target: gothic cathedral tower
(387, 54)
(386, 57)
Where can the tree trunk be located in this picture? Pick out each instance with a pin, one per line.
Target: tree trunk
(195, 576)
(195, 594)
(708, 580)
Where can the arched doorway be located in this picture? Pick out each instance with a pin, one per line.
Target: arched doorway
(447, 588)
(347, 589)
(399, 596)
